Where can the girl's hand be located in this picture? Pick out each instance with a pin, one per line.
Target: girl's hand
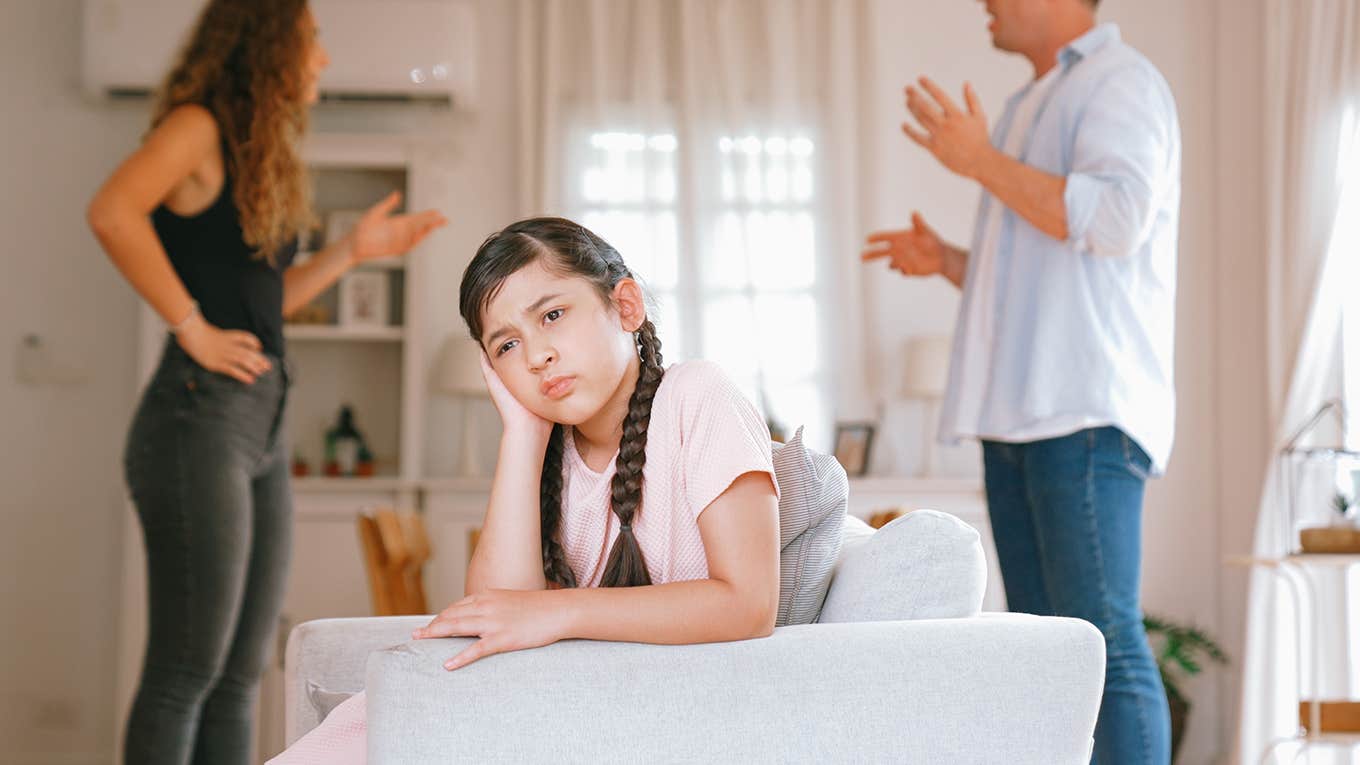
(229, 352)
(380, 234)
(505, 620)
(517, 418)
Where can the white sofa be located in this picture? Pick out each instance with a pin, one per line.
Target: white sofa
(978, 688)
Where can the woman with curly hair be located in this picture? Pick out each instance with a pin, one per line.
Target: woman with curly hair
(203, 221)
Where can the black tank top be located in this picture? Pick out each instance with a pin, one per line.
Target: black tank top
(234, 288)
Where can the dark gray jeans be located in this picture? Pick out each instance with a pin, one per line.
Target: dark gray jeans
(208, 471)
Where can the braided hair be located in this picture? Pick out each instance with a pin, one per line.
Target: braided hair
(572, 249)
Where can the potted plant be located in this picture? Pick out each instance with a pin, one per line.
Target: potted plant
(1341, 504)
(1180, 652)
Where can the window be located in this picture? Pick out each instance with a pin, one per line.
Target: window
(727, 243)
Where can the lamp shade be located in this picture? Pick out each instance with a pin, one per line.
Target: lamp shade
(926, 370)
(459, 371)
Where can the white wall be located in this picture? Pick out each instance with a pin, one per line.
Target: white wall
(1241, 406)
(61, 504)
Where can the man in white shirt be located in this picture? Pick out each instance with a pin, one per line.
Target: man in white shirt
(1062, 358)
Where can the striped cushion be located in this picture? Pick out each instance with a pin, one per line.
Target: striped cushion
(813, 492)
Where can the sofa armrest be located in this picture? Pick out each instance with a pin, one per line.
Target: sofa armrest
(1008, 689)
(324, 663)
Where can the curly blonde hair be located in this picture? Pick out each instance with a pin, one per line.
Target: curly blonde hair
(244, 62)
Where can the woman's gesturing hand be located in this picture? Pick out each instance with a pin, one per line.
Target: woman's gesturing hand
(382, 234)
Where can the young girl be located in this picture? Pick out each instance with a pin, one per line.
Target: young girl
(630, 502)
(202, 220)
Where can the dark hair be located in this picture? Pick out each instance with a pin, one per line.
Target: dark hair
(573, 250)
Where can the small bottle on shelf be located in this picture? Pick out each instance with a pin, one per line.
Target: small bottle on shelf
(345, 446)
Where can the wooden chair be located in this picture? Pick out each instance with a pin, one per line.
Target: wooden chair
(396, 548)
(883, 517)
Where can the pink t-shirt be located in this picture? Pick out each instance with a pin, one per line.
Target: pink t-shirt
(702, 436)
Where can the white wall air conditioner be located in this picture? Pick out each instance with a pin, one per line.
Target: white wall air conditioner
(381, 50)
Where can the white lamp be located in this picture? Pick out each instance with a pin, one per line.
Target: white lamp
(925, 378)
(460, 374)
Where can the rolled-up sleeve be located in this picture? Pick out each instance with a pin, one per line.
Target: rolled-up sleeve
(1124, 152)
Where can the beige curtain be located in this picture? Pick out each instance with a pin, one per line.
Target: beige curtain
(708, 73)
(1313, 193)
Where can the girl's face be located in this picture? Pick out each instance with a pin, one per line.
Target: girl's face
(316, 61)
(560, 350)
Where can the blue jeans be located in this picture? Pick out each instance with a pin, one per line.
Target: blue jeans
(208, 472)
(1066, 516)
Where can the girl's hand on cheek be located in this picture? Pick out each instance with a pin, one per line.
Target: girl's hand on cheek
(505, 620)
(518, 420)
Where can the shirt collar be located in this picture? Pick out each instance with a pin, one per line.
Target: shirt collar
(1097, 38)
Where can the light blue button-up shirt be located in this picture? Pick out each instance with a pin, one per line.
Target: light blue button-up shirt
(1057, 336)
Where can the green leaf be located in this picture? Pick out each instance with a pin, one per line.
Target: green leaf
(1181, 650)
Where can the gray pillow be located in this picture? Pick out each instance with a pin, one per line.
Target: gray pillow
(325, 700)
(813, 492)
(924, 565)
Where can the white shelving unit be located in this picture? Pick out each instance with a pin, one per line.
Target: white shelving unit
(306, 333)
(376, 370)
(379, 371)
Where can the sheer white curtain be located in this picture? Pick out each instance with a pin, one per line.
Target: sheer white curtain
(713, 142)
(1313, 190)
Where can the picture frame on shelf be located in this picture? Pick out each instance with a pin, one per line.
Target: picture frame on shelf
(339, 223)
(363, 300)
(852, 444)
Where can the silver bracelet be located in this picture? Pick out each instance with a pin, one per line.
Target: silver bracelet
(175, 329)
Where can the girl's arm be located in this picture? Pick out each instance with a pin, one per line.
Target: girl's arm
(303, 282)
(739, 600)
(120, 213)
(509, 554)
(378, 234)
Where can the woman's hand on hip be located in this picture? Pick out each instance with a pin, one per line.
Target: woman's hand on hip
(505, 620)
(230, 352)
